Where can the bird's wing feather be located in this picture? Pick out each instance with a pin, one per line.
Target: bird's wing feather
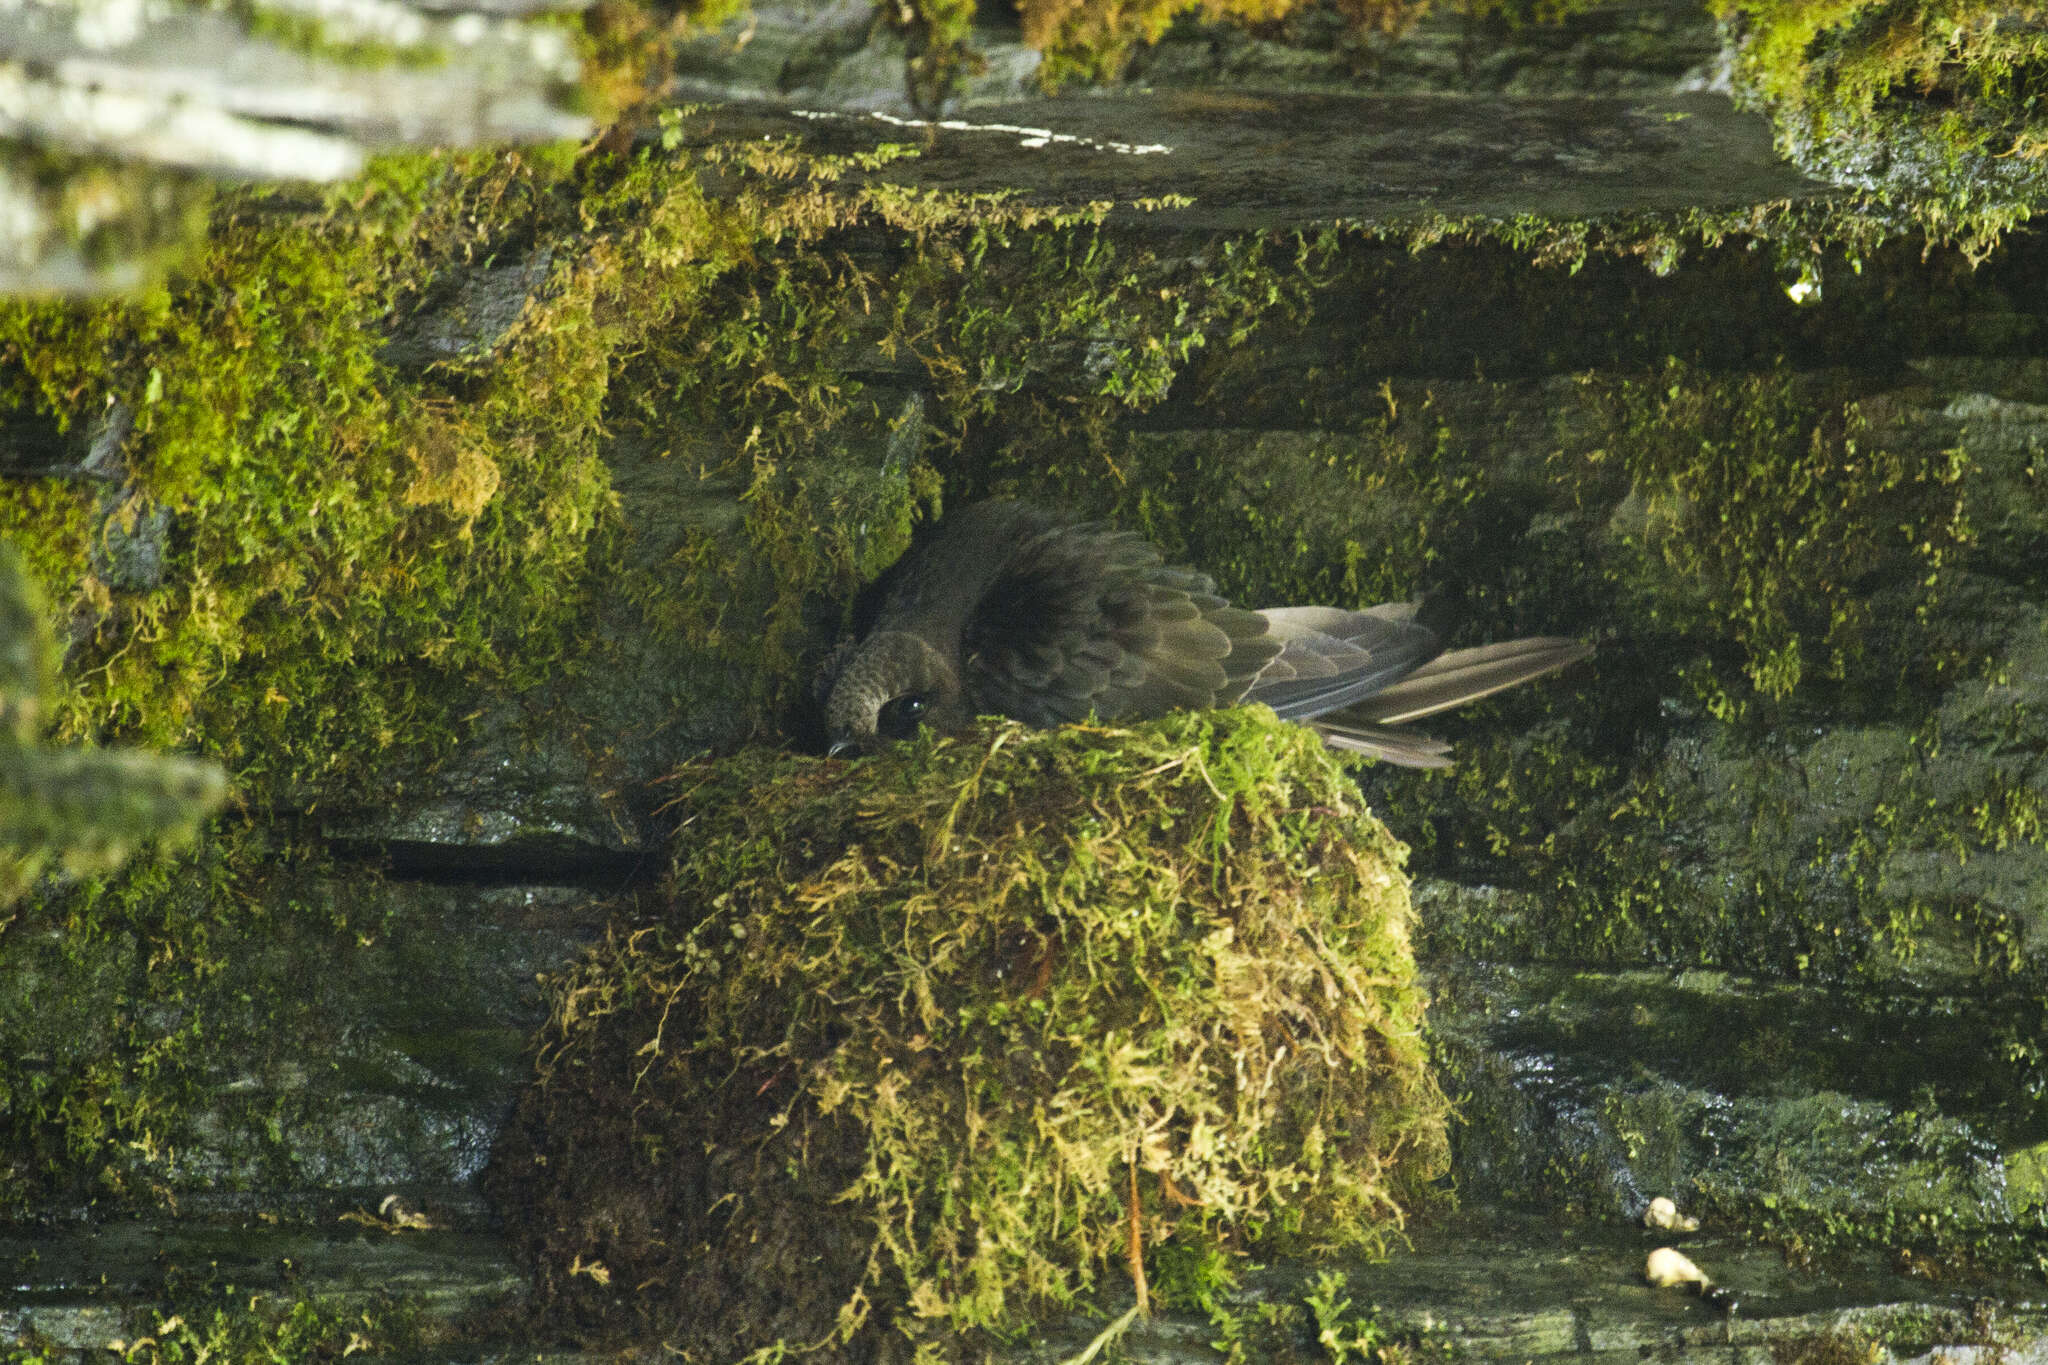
(1086, 619)
(1330, 658)
(1463, 675)
(1390, 744)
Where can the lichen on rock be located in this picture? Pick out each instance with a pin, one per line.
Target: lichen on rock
(907, 1036)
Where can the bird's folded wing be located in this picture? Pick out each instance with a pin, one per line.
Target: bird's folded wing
(1462, 675)
(1330, 658)
(1085, 619)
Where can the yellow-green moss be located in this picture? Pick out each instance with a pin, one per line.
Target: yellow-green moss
(368, 546)
(1756, 511)
(91, 1079)
(1841, 58)
(1929, 105)
(358, 548)
(319, 591)
(1742, 568)
(1743, 521)
(1762, 507)
(363, 550)
(260, 1329)
(1091, 40)
(923, 1025)
(119, 992)
(74, 811)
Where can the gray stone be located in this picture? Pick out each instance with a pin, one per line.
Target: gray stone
(1645, 49)
(564, 783)
(834, 54)
(189, 87)
(477, 314)
(112, 112)
(338, 1069)
(1252, 160)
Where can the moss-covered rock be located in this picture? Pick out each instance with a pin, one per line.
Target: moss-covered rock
(1816, 1120)
(1927, 105)
(925, 1043)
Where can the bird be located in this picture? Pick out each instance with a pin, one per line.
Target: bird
(1006, 608)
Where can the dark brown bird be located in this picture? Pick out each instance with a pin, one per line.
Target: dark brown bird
(1004, 609)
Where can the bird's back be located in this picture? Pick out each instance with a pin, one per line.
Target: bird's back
(1052, 621)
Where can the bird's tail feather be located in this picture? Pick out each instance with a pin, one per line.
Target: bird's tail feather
(1405, 748)
(1459, 676)
(1372, 727)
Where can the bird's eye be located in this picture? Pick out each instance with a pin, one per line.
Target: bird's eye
(900, 715)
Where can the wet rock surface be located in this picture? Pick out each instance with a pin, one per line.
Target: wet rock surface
(75, 1289)
(1253, 160)
(1758, 1100)
(343, 1066)
(1500, 1287)
(1770, 1104)
(1750, 1097)
(1507, 1288)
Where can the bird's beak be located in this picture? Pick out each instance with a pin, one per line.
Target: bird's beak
(841, 748)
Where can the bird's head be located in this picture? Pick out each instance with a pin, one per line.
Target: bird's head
(893, 683)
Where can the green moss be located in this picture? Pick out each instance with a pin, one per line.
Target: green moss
(1842, 1174)
(357, 548)
(462, 512)
(256, 1329)
(940, 50)
(363, 549)
(2026, 1176)
(1846, 1346)
(1093, 40)
(1344, 1335)
(1741, 564)
(1763, 510)
(1928, 105)
(1757, 513)
(1752, 516)
(360, 550)
(458, 514)
(998, 319)
(914, 1033)
(314, 542)
(628, 49)
(120, 990)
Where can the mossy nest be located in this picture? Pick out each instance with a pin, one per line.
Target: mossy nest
(912, 1034)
